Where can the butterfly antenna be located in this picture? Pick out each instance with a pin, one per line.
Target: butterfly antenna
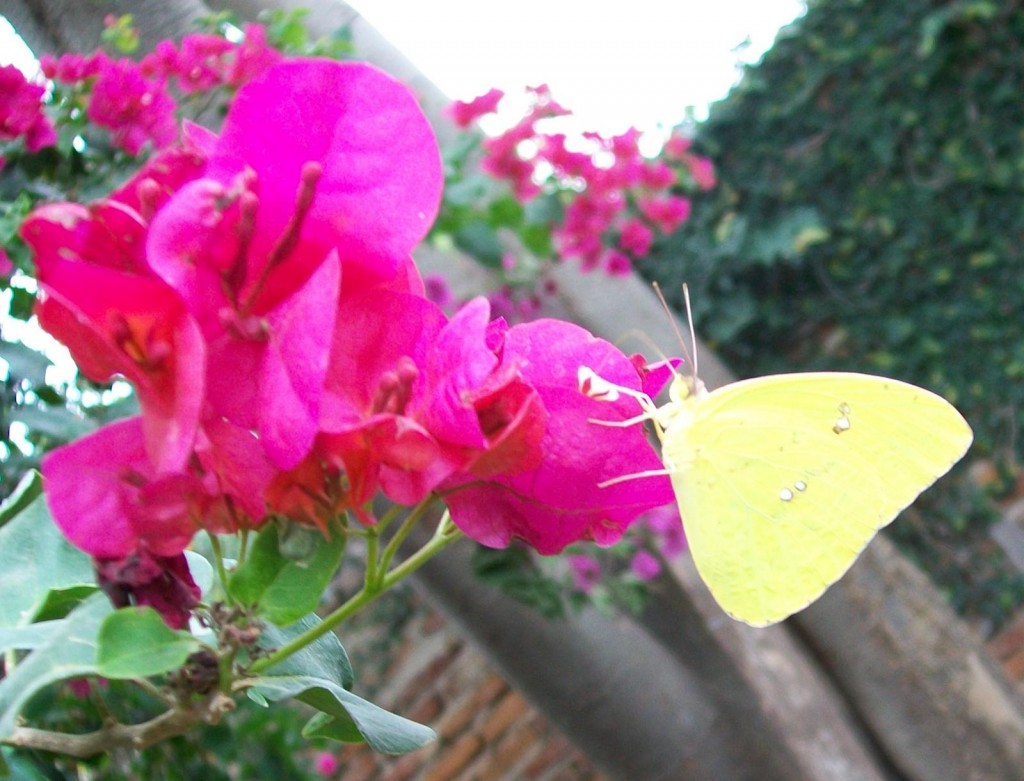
(675, 326)
(693, 334)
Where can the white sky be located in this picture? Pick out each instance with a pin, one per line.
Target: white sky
(639, 62)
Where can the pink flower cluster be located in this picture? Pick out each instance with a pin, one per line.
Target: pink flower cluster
(257, 289)
(616, 198)
(21, 111)
(133, 100)
(663, 528)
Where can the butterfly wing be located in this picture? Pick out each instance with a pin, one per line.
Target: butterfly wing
(783, 480)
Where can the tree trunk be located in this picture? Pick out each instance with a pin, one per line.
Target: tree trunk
(76, 26)
(622, 697)
(926, 688)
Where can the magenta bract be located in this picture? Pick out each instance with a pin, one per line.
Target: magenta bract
(381, 178)
(561, 500)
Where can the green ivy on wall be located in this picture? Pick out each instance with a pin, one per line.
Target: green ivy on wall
(870, 216)
(870, 213)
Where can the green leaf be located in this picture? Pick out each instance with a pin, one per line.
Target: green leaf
(22, 304)
(35, 559)
(467, 191)
(284, 577)
(481, 241)
(201, 570)
(351, 718)
(505, 211)
(25, 363)
(16, 767)
(325, 657)
(537, 239)
(29, 488)
(56, 422)
(58, 602)
(546, 210)
(320, 675)
(69, 653)
(134, 642)
(24, 638)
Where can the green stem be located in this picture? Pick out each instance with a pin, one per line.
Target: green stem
(243, 546)
(403, 531)
(218, 563)
(372, 557)
(445, 534)
(389, 516)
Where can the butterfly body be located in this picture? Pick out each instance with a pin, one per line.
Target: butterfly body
(782, 480)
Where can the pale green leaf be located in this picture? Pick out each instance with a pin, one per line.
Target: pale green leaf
(135, 642)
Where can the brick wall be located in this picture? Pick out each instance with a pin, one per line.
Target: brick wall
(486, 730)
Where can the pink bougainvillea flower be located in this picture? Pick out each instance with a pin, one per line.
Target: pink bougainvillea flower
(473, 404)
(422, 394)
(645, 565)
(199, 63)
(326, 764)
(635, 237)
(72, 68)
(108, 499)
(586, 572)
(21, 111)
(655, 376)
(117, 323)
(163, 583)
(234, 471)
(657, 175)
(465, 113)
(617, 264)
(668, 212)
(667, 528)
(703, 172)
(565, 498)
(202, 61)
(6, 266)
(105, 233)
(135, 109)
(677, 146)
(286, 352)
(253, 57)
(166, 172)
(411, 398)
(380, 339)
(380, 169)
(296, 195)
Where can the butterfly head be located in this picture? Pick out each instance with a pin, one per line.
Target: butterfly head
(686, 388)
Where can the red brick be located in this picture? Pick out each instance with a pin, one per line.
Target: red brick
(453, 758)
(513, 751)
(406, 766)
(556, 748)
(458, 717)
(511, 707)
(426, 709)
(429, 674)
(358, 765)
(433, 622)
(464, 711)
(469, 671)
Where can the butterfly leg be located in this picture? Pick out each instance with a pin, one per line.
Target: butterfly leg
(635, 476)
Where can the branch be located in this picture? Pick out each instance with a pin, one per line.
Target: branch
(131, 736)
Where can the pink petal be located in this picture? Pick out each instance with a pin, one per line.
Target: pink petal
(381, 181)
(96, 488)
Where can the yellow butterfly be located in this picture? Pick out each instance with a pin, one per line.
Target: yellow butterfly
(783, 480)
